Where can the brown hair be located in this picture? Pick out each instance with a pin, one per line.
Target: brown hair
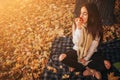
(94, 24)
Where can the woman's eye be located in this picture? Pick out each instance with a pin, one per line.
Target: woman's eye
(85, 14)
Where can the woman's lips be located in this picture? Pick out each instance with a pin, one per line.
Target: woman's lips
(81, 19)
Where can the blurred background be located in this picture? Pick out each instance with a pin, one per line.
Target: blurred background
(27, 29)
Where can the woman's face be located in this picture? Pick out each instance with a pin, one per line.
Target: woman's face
(84, 14)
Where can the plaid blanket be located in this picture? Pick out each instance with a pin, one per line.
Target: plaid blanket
(111, 50)
(56, 70)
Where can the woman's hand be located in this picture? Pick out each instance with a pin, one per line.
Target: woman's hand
(79, 22)
(83, 61)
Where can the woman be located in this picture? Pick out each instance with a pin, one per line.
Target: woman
(87, 34)
(105, 8)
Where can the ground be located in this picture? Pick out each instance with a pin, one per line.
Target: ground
(27, 29)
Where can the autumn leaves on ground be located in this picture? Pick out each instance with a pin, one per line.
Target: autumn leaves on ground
(27, 29)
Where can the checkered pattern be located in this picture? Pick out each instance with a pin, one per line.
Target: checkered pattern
(111, 50)
(63, 44)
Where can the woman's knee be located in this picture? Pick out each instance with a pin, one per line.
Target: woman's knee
(62, 56)
(107, 64)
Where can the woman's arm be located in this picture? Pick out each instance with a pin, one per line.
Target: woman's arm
(92, 48)
(77, 23)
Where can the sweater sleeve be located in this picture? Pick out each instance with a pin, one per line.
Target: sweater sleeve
(77, 38)
(92, 48)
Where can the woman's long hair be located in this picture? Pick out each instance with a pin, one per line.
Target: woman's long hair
(94, 24)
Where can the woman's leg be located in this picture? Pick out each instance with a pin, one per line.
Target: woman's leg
(70, 59)
(98, 62)
(97, 65)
